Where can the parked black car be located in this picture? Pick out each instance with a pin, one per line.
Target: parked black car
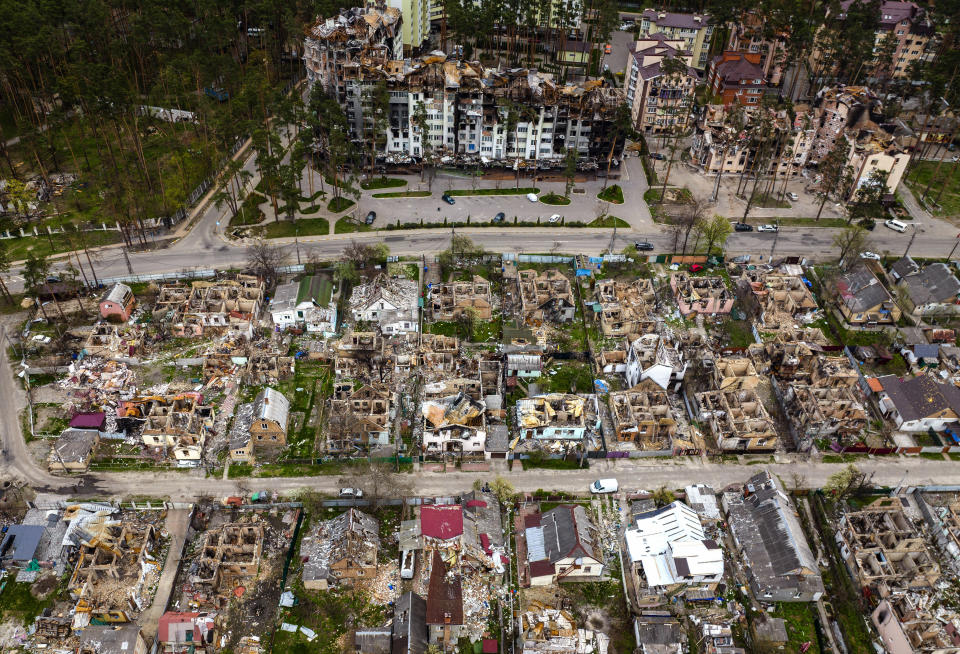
(448, 199)
(643, 245)
(371, 217)
(742, 227)
(658, 156)
(499, 217)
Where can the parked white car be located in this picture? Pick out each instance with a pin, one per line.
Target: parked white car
(350, 493)
(766, 228)
(605, 486)
(793, 196)
(896, 225)
(407, 563)
(555, 218)
(873, 256)
(533, 197)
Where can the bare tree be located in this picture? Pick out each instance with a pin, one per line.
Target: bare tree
(378, 482)
(264, 260)
(852, 241)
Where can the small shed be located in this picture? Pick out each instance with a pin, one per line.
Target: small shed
(93, 420)
(118, 303)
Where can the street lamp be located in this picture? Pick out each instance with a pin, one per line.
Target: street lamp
(912, 236)
(954, 248)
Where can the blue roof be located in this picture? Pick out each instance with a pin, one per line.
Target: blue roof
(20, 542)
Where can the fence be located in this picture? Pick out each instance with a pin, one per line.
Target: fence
(535, 258)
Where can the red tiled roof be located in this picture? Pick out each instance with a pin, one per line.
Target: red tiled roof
(480, 503)
(485, 543)
(874, 384)
(444, 594)
(490, 646)
(442, 522)
(169, 618)
(541, 569)
(531, 520)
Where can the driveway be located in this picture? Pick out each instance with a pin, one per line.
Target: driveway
(177, 525)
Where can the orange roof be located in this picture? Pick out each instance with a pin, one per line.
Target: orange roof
(874, 384)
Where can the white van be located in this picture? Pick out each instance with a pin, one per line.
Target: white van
(896, 225)
(407, 562)
(605, 486)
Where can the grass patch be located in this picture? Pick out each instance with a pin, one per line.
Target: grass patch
(612, 194)
(348, 225)
(302, 227)
(563, 377)
(554, 199)
(932, 456)
(919, 178)
(16, 600)
(338, 205)
(404, 194)
(382, 182)
(813, 222)
(738, 332)
(523, 190)
(249, 213)
(537, 460)
(767, 201)
(313, 208)
(609, 221)
(799, 618)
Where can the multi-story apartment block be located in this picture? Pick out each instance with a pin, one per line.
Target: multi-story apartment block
(466, 105)
(749, 35)
(415, 27)
(737, 77)
(904, 22)
(694, 29)
(660, 100)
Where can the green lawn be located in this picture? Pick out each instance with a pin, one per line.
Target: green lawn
(249, 213)
(766, 201)
(567, 375)
(523, 190)
(554, 199)
(404, 194)
(799, 617)
(810, 222)
(341, 204)
(348, 225)
(320, 287)
(738, 332)
(382, 182)
(609, 221)
(920, 177)
(302, 227)
(16, 600)
(20, 248)
(612, 194)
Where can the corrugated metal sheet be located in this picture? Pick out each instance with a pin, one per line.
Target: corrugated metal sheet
(535, 549)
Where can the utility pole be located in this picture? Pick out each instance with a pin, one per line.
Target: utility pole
(912, 236)
(126, 257)
(776, 235)
(296, 240)
(954, 248)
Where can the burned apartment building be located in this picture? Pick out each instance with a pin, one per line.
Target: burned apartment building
(707, 296)
(644, 418)
(176, 424)
(223, 305)
(545, 297)
(624, 308)
(466, 104)
(229, 557)
(738, 420)
(360, 420)
(448, 301)
(885, 550)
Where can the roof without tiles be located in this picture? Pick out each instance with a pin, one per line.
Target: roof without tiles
(444, 594)
(442, 522)
(566, 533)
(272, 405)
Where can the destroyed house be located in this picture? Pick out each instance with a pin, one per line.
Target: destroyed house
(114, 639)
(907, 624)
(359, 418)
(766, 529)
(73, 450)
(624, 308)
(468, 386)
(232, 304)
(654, 357)
(356, 352)
(116, 563)
(734, 373)
(388, 302)
(781, 298)
(659, 634)
(885, 550)
(441, 525)
(824, 412)
(113, 341)
(228, 556)
(179, 423)
(454, 425)
(703, 295)
(545, 297)
(644, 418)
(117, 304)
(266, 368)
(556, 416)
(482, 540)
(444, 616)
(862, 299)
(449, 300)
(738, 420)
(341, 550)
(932, 290)
(918, 404)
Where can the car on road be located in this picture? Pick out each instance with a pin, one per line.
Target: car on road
(896, 225)
(605, 486)
(742, 227)
(873, 256)
(607, 49)
(555, 218)
(446, 197)
(793, 196)
(532, 197)
(350, 493)
(643, 245)
(499, 217)
(658, 156)
(766, 228)
(370, 217)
